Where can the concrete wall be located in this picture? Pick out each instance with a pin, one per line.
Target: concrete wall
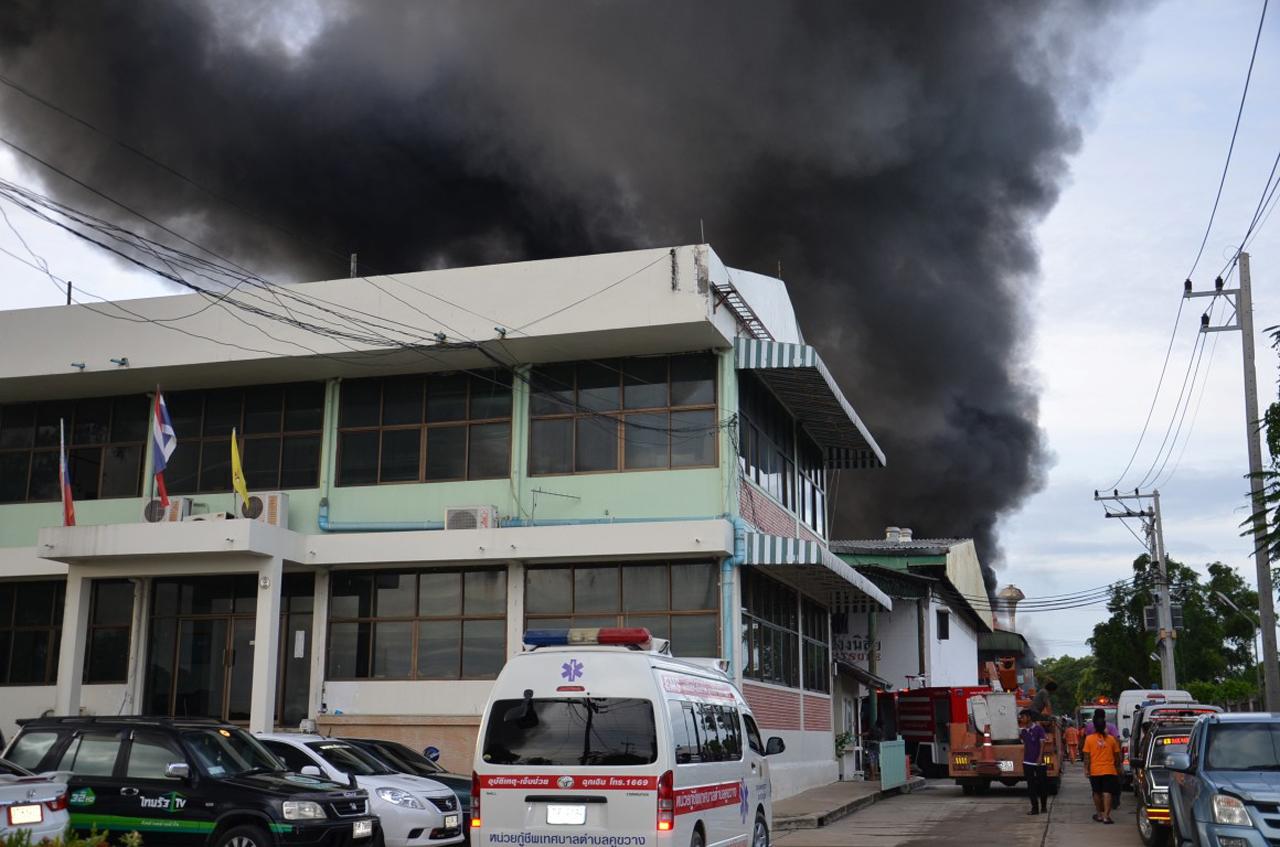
(954, 661)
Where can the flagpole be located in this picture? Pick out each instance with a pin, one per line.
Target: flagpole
(154, 399)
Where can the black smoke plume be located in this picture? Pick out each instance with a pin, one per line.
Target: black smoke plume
(893, 157)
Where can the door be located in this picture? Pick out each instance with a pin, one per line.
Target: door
(758, 766)
(162, 803)
(240, 670)
(200, 684)
(97, 797)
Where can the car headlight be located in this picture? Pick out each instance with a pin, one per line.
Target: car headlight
(302, 810)
(398, 797)
(1160, 798)
(1229, 810)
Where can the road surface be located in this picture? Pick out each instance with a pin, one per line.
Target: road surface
(940, 815)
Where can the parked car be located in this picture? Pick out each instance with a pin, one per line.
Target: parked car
(30, 804)
(1151, 719)
(1151, 778)
(1224, 788)
(403, 759)
(414, 810)
(189, 781)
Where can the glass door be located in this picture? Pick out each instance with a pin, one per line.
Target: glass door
(240, 670)
(200, 684)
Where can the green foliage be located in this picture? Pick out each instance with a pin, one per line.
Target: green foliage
(1213, 647)
(1077, 680)
(70, 839)
(1270, 476)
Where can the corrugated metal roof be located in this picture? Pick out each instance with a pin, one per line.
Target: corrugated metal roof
(800, 379)
(881, 546)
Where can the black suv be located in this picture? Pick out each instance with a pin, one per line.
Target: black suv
(196, 781)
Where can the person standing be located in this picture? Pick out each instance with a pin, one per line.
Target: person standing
(1033, 736)
(1072, 738)
(1102, 763)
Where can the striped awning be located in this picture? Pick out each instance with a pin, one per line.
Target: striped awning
(800, 379)
(814, 567)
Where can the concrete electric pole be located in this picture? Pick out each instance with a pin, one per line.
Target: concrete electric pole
(1150, 517)
(1241, 302)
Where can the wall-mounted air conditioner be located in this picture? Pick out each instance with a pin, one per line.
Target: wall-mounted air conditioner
(211, 516)
(179, 509)
(268, 507)
(471, 517)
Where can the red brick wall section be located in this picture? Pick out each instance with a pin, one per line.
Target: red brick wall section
(760, 510)
(809, 535)
(817, 713)
(774, 709)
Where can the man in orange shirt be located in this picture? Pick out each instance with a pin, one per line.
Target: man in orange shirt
(1072, 737)
(1102, 763)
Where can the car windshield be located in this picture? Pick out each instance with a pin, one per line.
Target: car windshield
(1243, 747)
(401, 758)
(1163, 746)
(223, 752)
(579, 731)
(348, 758)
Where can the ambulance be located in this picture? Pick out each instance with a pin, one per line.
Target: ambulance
(601, 738)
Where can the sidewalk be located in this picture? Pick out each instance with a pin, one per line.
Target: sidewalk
(826, 804)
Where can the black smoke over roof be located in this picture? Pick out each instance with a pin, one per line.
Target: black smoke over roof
(892, 156)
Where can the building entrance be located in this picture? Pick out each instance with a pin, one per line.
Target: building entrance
(200, 652)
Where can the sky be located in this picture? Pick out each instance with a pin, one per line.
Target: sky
(1114, 253)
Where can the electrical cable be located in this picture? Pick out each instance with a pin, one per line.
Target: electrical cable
(1185, 408)
(1213, 348)
(1182, 392)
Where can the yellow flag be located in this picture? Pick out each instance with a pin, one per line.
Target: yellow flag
(237, 472)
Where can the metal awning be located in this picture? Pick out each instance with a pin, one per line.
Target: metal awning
(813, 566)
(800, 379)
(863, 675)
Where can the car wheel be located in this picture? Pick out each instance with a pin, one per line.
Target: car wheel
(697, 840)
(245, 836)
(1151, 835)
(760, 833)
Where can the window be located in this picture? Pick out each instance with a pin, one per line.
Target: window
(766, 440)
(632, 414)
(944, 625)
(104, 435)
(705, 733)
(110, 619)
(30, 631)
(418, 624)
(674, 600)
(31, 748)
(817, 650)
(277, 426)
(564, 732)
(811, 486)
(293, 758)
(753, 735)
(91, 754)
(425, 428)
(770, 630)
(150, 753)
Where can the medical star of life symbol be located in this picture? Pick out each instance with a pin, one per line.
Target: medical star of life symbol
(571, 670)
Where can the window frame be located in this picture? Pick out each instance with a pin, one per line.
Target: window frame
(942, 622)
(94, 627)
(415, 620)
(466, 423)
(576, 410)
(53, 628)
(759, 620)
(815, 644)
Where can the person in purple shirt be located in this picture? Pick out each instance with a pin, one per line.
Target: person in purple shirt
(1033, 766)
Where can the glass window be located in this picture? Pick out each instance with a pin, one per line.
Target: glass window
(410, 415)
(31, 748)
(767, 444)
(277, 428)
(30, 631)
(91, 754)
(110, 618)
(578, 424)
(592, 731)
(944, 625)
(104, 437)
(149, 755)
(420, 624)
(771, 638)
(672, 600)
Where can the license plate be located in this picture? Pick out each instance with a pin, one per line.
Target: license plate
(450, 821)
(362, 829)
(1006, 765)
(26, 814)
(566, 815)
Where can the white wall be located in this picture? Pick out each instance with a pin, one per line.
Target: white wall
(954, 661)
(32, 701)
(809, 761)
(897, 643)
(407, 697)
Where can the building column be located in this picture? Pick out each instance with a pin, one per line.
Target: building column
(266, 646)
(319, 642)
(75, 631)
(139, 647)
(515, 608)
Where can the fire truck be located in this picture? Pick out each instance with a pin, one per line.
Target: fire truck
(924, 719)
(986, 744)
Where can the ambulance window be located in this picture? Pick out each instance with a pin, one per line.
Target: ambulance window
(714, 748)
(684, 740)
(592, 731)
(753, 735)
(730, 733)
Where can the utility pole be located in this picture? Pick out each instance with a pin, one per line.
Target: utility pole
(1241, 302)
(1154, 528)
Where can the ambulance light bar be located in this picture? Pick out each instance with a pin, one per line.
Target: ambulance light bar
(625, 636)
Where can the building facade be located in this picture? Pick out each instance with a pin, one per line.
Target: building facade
(438, 461)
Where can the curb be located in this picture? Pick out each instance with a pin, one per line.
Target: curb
(817, 821)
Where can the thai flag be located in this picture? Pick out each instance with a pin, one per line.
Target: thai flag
(64, 479)
(163, 443)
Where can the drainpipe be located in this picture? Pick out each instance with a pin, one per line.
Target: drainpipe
(728, 611)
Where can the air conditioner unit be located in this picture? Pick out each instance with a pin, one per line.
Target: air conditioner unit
(211, 516)
(471, 517)
(178, 510)
(268, 507)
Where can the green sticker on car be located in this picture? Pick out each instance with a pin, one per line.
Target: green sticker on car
(82, 797)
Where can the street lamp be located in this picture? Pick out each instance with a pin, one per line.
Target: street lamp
(1257, 628)
(1136, 684)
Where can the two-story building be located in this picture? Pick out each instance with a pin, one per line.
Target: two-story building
(439, 461)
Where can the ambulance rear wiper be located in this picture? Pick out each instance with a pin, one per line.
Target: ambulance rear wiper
(523, 715)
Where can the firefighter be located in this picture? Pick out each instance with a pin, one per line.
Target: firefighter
(1072, 737)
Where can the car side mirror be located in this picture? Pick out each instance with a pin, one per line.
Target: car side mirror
(774, 746)
(311, 770)
(1179, 762)
(177, 770)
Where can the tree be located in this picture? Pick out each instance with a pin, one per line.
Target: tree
(1077, 681)
(1212, 647)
